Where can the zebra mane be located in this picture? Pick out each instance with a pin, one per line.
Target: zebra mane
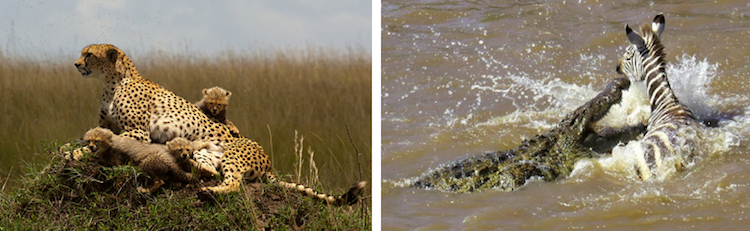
(649, 42)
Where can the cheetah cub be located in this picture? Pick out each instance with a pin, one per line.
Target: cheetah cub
(154, 159)
(182, 150)
(214, 105)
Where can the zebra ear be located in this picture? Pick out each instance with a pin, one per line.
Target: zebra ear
(634, 38)
(658, 25)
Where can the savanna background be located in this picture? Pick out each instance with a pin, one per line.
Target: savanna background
(291, 77)
(316, 92)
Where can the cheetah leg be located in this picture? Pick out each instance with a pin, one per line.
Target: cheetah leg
(203, 162)
(231, 182)
(233, 129)
(232, 174)
(157, 184)
(138, 135)
(178, 173)
(105, 123)
(203, 170)
(154, 168)
(208, 153)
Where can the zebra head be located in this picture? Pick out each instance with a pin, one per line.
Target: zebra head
(644, 51)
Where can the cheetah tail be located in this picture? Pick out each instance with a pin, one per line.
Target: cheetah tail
(348, 198)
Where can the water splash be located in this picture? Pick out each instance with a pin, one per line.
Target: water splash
(690, 78)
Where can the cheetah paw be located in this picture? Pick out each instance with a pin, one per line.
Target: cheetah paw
(64, 148)
(77, 154)
(143, 190)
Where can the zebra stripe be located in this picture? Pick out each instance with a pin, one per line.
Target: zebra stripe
(644, 59)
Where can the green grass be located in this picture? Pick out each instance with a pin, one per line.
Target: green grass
(85, 195)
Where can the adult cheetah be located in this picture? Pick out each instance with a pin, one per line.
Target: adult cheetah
(136, 107)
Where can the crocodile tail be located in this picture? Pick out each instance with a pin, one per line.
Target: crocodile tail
(472, 174)
(348, 198)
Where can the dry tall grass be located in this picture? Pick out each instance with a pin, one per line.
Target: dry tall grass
(314, 91)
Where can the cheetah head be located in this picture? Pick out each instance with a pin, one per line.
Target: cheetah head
(215, 107)
(98, 139)
(180, 148)
(98, 59)
(216, 99)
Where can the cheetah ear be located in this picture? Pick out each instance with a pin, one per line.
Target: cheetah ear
(109, 134)
(634, 38)
(169, 143)
(229, 93)
(658, 25)
(112, 55)
(205, 91)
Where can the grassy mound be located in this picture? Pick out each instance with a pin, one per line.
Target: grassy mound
(84, 194)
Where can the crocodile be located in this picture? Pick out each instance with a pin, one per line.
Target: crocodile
(549, 156)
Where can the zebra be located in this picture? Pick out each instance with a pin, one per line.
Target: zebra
(671, 133)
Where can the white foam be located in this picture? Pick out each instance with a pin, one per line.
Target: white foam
(632, 110)
(690, 80)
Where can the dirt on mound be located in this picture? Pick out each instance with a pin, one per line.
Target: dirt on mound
(67, 188)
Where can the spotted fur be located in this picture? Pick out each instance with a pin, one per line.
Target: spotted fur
(183, 150)
(154, 159)
(138, 108)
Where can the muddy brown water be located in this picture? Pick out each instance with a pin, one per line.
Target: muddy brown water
(464, 77)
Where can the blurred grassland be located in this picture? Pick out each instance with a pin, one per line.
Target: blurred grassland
(317, 92)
